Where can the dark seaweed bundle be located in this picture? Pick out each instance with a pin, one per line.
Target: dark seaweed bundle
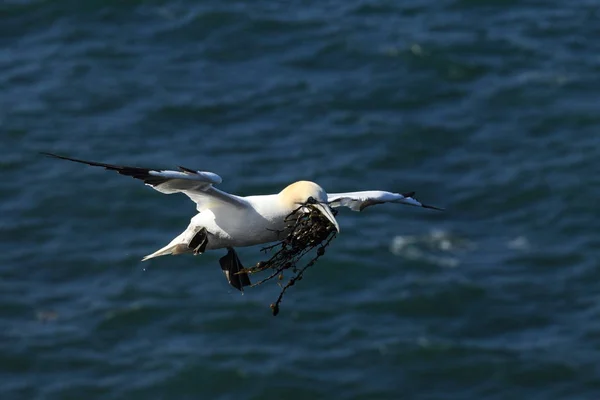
(307, 229)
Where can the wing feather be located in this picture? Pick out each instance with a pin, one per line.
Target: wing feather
(358, 201)
(197, 185)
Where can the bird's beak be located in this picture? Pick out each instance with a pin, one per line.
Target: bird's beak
(326, 211)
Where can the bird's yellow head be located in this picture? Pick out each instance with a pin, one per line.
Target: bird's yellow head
(303, 192)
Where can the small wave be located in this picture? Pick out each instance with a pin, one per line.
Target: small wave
(443, 248)
(437, 247)
(520, 243)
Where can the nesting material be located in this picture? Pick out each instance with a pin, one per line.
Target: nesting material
(307, 229)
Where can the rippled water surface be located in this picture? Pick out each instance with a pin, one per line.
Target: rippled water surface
(488, 108)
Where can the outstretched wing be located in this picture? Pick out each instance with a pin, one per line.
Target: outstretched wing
(358, 201)
(197, 185)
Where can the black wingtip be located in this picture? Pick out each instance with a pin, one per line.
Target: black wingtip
(45, 153)
(135, 172)
(52, 155)
(412, 196)
(432, 207)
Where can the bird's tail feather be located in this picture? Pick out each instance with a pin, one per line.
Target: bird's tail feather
(175, 247)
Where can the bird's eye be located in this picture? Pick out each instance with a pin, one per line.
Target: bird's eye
(311, 200)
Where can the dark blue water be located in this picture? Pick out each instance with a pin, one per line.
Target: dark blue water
(488, 108)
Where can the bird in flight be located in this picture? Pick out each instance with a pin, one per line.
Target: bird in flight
(227, 221)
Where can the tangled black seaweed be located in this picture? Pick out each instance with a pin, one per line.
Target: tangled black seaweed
(307, 228)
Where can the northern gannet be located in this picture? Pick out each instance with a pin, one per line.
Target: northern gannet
(227, 221)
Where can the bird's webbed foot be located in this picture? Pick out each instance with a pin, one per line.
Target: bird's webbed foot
(231, 265)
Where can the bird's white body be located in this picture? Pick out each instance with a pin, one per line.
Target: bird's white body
(250, 221)
(260, 223)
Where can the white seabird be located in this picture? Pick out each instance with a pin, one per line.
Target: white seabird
(227, 221)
